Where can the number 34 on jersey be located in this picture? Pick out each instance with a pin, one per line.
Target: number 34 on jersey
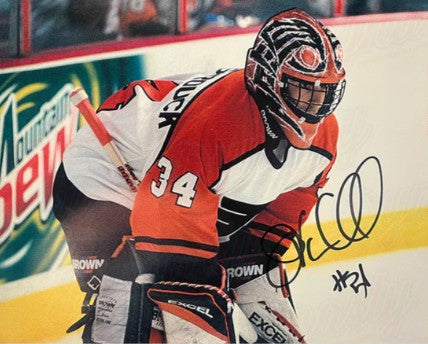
(184, 186)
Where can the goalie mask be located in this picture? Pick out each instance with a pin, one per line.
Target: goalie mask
(294, 72)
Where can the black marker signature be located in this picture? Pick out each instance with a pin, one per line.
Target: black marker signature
(353, 184)
(341, 280)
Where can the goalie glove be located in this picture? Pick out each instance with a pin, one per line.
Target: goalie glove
(195, 313)
(263, 297)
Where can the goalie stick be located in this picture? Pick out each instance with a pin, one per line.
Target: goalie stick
(80, 99)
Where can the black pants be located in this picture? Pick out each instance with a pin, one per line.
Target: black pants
(94, 229)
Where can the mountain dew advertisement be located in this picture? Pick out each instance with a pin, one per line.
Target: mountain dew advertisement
(37, 122)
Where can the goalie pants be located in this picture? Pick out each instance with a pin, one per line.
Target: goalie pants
(94, 229)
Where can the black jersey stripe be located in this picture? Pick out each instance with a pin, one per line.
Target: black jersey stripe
(288, 233)
(244, 156)
(237, 160)
(233, 215)
(321, 151)
(177, 242)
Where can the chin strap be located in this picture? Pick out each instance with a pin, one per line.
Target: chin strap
(277, 145)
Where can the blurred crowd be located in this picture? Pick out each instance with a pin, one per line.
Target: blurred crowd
(59, 23)
(69, 22)
(219, 13)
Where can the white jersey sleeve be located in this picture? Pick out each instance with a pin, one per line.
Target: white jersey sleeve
(130, 116)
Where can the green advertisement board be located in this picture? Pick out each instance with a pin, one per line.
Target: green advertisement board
(37, 123)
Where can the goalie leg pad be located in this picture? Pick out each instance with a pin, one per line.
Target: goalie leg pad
(123, 314)
(264, 299)
(194, 313)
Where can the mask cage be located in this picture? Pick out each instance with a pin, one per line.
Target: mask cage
(310, 101)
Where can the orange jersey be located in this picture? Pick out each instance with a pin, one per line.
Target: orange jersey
(211, 175)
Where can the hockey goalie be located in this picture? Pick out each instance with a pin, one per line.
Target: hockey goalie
(230, 164)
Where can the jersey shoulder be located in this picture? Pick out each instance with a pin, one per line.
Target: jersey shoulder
(229, 113)
(154, 90)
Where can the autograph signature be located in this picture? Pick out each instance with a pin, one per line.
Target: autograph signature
(353, 184)
(341, 280)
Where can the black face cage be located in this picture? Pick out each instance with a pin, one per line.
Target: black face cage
(311, 101)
